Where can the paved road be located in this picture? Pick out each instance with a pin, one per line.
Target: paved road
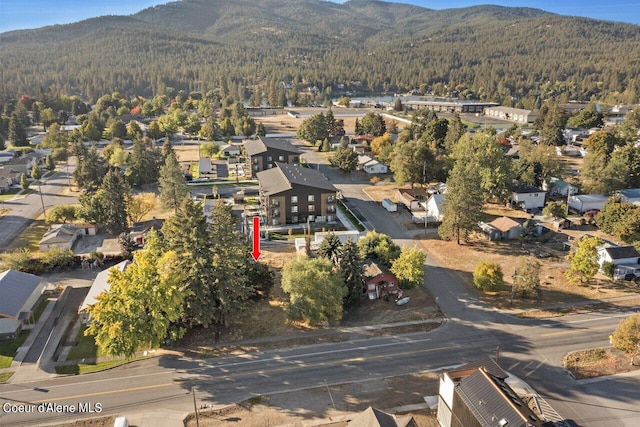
(25, 209)
(531, 349)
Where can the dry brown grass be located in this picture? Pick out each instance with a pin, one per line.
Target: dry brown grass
(186, 153)
(598, 362)
(555, 287)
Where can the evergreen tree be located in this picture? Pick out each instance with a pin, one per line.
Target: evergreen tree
(187, 234)
(331, 248)
(352, 269)
(463, 202)
(51, 165)
(115, 196)
(144, 163)
(90, 168)
(173, 185)
(17, 132)
(455, 130)
(24, 182)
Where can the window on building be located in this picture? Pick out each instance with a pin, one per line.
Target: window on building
(311, 198)
(269, 159)
(269, 166)
(294, 199)
(294, 209)
(311, 218)
(294, 219)
(255, 161)
(311, 208)
(281, 159)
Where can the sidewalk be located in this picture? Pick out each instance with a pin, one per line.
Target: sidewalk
(571, 304)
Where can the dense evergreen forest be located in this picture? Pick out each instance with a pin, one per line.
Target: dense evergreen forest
(511, 55)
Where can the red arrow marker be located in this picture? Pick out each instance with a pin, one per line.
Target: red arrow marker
(255, 253)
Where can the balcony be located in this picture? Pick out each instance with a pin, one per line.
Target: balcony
(275, 203)
(331, 199)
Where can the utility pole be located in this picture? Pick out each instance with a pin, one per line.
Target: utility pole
(195, 408)
(44, 212)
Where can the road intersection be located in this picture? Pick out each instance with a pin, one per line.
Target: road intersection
(531, 349)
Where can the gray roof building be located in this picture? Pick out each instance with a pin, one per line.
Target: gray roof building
(20, 292)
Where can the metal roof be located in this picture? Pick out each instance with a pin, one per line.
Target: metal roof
(621, 252)
(101, 284)
(262, 144)
(16, 287)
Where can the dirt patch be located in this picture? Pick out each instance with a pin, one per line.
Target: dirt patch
(598, 362)
(286, 124)
(309, 407)
(186, 153)
(555, 287)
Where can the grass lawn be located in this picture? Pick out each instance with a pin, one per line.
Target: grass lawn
(4, 377)
(40, 306)
(8, 349)
(87, 368)
(352, 218)
(12, 192)
(85, 347)
(30, 237)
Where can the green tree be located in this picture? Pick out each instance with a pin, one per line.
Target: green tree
(143, 300)
(17, 132)
(50, 163)
(587, 118)
(153, 130)
(326, 147)
(352, 269)
(584, 260)
(314, 129)
(550, 123)
(373, 124)
(409, 267)
(378, 247)
(487, 276)
(331, 248)
(91, 209)
(24, 182)
(455, 130)
(36, 173)
(90, 169)
(463, 202)
(555, 210)
(173, 185)
(134, 131)
(115, 197)
(344, 159)
(144, 163)
(626, 336)
(315, 291)
(62, 214)
(413, 162)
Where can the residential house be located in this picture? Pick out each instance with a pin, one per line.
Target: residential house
(582, 203)
(379, 280)
(99, 285)
(65, 235)
(10, 174)
(478, 395)
(5, 184)
(433, 207)
(630, 195)
(263, 153)
(20, 293)
(231, 150)
(617, 255)
(517, 115)
(370, 165)
(527, 197)
(505, 228)
(559, 187)
(294, 194)
(61, 236)
(140, 230)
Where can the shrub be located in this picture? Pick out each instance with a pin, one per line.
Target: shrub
(21, 260)
(626, 337)
(57, 259)
(608, 269)
(488, 276)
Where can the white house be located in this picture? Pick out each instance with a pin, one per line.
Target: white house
(582, 203)
(617, 255)
(65, 235)
(231, 150)
(370, 165)
(433, 207)
(527, 197)
(20, 292)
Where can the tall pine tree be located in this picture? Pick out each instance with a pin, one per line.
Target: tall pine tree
(173, 185)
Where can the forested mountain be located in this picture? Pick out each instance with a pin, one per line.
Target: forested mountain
(488, 52)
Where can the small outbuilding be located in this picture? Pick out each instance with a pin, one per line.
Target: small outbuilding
(506, 228)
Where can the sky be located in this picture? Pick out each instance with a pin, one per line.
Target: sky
(22, 14)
